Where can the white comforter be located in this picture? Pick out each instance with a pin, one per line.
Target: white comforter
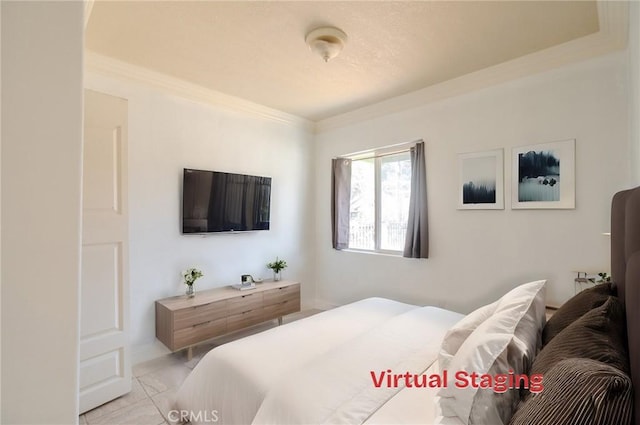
(233, 379)
(337, 387)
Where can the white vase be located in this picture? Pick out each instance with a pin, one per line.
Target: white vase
(191, 291)
(277, 276)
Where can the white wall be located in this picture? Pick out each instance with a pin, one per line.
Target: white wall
(477, 255)
(41, 168)
(168, 133)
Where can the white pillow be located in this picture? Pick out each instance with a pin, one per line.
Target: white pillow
(507, 340)
(455, 336)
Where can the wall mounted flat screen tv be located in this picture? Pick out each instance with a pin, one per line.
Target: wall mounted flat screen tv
(214, 201)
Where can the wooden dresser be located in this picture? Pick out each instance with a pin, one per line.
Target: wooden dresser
(183, 322)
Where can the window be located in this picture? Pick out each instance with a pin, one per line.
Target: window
(380, 192)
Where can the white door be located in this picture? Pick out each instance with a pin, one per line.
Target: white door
(105, 370)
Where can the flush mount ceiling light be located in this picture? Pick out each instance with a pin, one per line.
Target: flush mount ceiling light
(326, 41)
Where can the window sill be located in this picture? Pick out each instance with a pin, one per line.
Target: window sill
(397, 254)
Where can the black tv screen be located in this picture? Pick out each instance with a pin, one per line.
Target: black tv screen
(214, 201)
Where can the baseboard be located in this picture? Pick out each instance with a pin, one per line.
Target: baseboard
(145, 352)
(325, 305)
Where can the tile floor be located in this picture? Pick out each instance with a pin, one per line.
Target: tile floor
(155, 383)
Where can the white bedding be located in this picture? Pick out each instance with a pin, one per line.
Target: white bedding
(411, 406)
(337, 387)
(233, 379)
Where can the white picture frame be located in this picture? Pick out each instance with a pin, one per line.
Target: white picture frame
(543, 176)
(481, 180)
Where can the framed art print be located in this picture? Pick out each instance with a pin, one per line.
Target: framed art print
(481, 180)
(543, 176)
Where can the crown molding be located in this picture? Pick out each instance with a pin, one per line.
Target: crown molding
(613, 17)
(111, 67)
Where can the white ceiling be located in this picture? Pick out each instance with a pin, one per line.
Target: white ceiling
(256, 50)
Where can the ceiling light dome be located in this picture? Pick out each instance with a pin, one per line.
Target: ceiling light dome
(326, 41)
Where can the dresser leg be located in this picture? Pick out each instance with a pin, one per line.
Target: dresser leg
(189, 353)
(279, 320)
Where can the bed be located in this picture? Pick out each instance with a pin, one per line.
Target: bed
(339, 366)
(235, 378)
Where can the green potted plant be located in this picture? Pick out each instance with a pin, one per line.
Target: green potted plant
(277, 267)
(604, 277)
(190, 276)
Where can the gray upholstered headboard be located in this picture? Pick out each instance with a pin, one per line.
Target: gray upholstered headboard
(625, 273)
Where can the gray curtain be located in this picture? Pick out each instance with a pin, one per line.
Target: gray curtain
(340, 201)
(416, 243)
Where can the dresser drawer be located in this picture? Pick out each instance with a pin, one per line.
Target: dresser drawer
(244, 303)
(187, 317)
(274, 311)
(282, 294)
(196, 333)
(247, 318)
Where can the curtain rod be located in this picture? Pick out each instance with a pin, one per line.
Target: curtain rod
(380, 155)
(401, 147)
